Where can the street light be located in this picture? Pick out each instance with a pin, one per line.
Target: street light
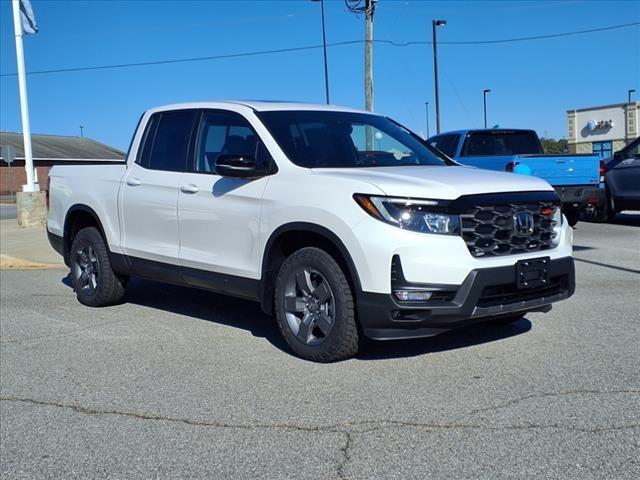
(434, 24)
(484, 103)
(324, 47)
(629, 93)
(427, 108)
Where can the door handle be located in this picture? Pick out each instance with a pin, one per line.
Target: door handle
(191, 188)
(134, 182)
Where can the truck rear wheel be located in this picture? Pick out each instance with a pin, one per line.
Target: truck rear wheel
(94, 281)
(314, 307)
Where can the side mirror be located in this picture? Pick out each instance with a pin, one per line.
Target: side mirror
(237, 166)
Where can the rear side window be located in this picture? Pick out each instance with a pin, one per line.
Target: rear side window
(166, 143)
(502, 142)
(447, 144)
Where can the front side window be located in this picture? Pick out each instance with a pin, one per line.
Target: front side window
(226, 133)
(325, 139)
(166, 143)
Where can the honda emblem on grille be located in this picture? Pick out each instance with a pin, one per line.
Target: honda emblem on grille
(523, 224)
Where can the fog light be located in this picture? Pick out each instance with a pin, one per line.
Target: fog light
(412, 295)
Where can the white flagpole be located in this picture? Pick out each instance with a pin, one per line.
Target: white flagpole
(31, 185)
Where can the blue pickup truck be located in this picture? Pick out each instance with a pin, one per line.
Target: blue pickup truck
(577, 178)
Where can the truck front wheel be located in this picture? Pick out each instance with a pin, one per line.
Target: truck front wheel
(314, 307)
(573, 216)
(94, 281)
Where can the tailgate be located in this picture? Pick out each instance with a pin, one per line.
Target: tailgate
(564, 169)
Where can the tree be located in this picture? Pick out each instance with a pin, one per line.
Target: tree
(551, 145)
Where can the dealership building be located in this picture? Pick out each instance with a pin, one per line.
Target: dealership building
(603, 130)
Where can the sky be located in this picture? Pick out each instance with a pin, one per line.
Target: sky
(532, 83)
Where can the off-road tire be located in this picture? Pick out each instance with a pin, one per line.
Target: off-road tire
(343, 340)
(110, 287)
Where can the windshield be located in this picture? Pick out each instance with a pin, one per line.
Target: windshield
(516, 142)
(322, 139)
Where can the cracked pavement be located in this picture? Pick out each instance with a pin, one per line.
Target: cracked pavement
(178, 383)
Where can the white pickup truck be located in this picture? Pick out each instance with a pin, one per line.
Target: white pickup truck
(342, 223)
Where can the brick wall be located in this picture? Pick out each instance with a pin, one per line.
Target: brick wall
(19, 177)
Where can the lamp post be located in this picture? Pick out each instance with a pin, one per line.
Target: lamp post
(324, 48)
(484, 104)
(426, 104)
(434, 25)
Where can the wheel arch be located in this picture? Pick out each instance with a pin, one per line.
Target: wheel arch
(291, 237)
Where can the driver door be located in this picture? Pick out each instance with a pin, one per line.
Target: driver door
(219, 217)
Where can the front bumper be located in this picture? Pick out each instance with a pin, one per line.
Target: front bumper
(485, 293)
(580, 196)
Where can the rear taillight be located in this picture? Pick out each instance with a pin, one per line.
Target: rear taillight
(46, 192)
(603, 171)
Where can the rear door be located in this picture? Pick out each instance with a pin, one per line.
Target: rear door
(150, 190)
(219, 217)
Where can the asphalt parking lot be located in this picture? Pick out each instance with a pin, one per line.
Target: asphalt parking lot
(178, 383)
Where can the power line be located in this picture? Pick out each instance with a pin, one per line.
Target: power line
(521, 39)
(313, 47)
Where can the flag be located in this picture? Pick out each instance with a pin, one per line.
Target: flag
(28, 19)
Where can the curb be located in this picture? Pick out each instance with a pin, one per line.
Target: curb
(12, 263)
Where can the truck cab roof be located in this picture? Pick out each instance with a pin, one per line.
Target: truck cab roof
(258, 106)
(488, 130)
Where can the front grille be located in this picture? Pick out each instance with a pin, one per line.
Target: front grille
(488, 230)
(509, 293)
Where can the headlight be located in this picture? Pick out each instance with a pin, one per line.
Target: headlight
(556, 218)
(416, 215)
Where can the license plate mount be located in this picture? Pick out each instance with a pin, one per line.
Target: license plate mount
(533, 273)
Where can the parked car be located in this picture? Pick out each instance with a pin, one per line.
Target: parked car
(342, 223)
(622, 182)
(576, 178)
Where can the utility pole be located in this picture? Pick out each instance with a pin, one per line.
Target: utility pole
(369, 8)
(435, 24)
(427, 109)
(484, 103)
(324, 47)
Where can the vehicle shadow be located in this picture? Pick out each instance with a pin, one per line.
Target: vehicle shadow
(453, 340)
(624, 218)
(202, 305)
(628, 219)
(246, 315)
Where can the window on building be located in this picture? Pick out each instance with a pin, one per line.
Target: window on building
(604, 149)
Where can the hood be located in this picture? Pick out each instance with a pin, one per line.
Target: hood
(439, 182)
